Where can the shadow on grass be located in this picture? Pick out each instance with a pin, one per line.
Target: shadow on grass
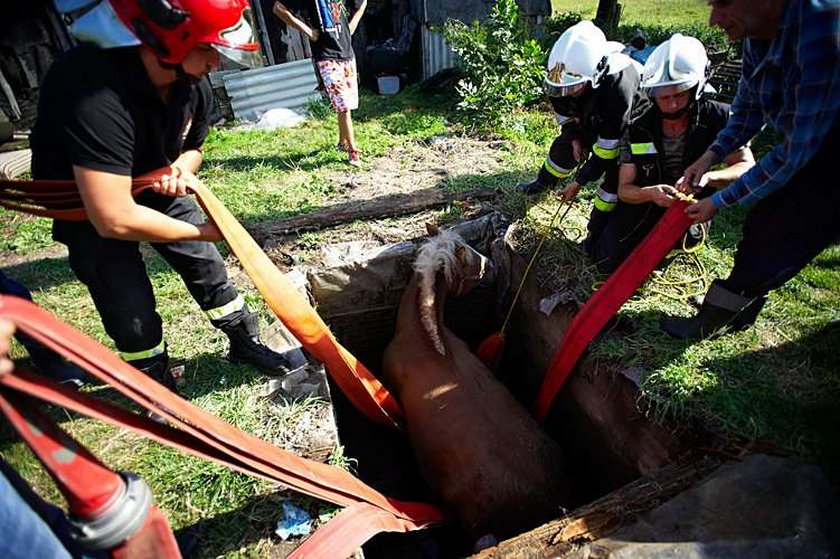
(794, 390)
(205, 374)
(788, 394)
(231, 531)
(411, 99)
(41, 274)
(303, 161)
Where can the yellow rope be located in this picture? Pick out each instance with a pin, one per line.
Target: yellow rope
(702, 275)
(533, 258)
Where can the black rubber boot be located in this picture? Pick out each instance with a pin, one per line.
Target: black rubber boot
(246, 347)
(533, 187)
(52, 365)
(156, 367)
(722, 311)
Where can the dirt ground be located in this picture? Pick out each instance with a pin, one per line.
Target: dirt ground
(412, 167)
(419, 165)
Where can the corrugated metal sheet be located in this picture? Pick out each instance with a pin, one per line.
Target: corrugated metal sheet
(14, 163)
(437, 55)
(253, 92)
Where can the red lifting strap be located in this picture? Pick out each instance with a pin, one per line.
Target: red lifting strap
(605, 302)
(61, 200)
(198, 432)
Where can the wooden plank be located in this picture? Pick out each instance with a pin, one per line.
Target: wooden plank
(383, 206)
(602, 517)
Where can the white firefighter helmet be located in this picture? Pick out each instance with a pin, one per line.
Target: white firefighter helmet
(578, 57)
(679, 62)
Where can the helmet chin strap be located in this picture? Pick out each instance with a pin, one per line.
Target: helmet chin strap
(180, 74)
(677, 114)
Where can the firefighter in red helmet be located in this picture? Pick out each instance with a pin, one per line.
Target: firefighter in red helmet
(128, 100)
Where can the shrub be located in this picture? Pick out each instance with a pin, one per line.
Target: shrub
(319, 108)
(716, 43)
(502, 65)
(556, 24)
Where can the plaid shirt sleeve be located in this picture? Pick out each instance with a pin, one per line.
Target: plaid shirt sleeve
(805, 118)
(745, 116)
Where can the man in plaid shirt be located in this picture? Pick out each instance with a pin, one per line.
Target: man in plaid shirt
(791, 81)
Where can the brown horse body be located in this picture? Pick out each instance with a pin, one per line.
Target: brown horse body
(479, 449)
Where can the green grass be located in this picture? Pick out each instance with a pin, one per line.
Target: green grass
(659, 12)
(268, 175)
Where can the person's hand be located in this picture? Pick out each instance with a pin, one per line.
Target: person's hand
(695, 176)
(178, 183)
(683, 185)
(568, 194)
(661, 194)
(7, 328)
(577, 150)
(701, 211)
(313, 35)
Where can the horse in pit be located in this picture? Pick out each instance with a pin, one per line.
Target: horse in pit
(478, 448)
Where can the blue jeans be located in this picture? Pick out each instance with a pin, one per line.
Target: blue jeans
(30, 526)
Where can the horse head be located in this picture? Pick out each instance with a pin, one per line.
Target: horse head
(446, 254)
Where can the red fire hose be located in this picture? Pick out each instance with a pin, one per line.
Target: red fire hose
(605, 302)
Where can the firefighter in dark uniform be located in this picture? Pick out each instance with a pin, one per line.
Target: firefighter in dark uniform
(591, 88)
(670, 133)
(128, 102)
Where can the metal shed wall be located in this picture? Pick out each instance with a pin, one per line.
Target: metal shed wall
(253, 92)
(437, 55)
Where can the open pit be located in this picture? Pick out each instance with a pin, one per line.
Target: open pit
(621, 465)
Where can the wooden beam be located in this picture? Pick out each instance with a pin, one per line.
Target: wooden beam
(604, 516)
(382, 206)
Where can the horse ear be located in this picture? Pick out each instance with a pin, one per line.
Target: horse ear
(432, 229)
(459, 253)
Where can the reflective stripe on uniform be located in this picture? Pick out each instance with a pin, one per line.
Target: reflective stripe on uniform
(605, 201)
(646, 148)
(145, 354)
(606, 148)
(221, 312)
(562, 119)
(556, 170)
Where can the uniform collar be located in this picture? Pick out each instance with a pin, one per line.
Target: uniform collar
(140, 82)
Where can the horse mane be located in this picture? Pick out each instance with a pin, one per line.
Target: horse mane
(436, 254)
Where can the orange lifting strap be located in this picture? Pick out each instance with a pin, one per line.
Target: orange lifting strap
(368, 512)
(605, 302)
(200, 433)
(61, 200)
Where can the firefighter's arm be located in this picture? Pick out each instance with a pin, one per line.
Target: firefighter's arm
(615, 107)
(659, 194)
(115, 215)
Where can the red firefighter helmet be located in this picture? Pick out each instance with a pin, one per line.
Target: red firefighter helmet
(172, 28)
